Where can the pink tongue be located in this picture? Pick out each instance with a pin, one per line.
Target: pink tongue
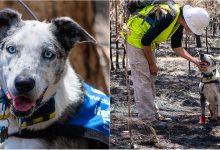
(22, 103)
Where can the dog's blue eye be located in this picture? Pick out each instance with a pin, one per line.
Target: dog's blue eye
(48, 54)
(11, 49)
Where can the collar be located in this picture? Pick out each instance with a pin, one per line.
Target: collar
(207, 77)
(212, 81)
(201, 86)
(44, 113)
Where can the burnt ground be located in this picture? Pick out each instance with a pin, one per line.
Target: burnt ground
(177, 98)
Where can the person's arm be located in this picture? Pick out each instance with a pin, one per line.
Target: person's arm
(150, 35)
(183, 53)
(151, 60)
(176, 44)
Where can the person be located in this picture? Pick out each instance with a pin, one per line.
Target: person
(149, 27)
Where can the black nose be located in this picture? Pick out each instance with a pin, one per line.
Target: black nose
(201, 56)
(24, 84)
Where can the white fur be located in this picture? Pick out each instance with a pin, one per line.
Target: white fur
(40, 30)
(20, 143)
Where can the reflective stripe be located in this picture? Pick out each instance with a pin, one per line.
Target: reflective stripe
(40, 119)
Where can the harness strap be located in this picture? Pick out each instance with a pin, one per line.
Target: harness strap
(210, 75)
(56, 129)
(62, 130)
(210, 82)
(44, 113)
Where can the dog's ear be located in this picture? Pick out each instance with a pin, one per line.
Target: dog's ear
(8, 18)
(68, 32)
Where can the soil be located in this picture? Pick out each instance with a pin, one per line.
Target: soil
(177, 97)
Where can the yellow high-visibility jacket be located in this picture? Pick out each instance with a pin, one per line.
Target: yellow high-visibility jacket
(138, 27)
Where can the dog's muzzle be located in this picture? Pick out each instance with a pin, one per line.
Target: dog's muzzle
(22, 106)
(203, 60)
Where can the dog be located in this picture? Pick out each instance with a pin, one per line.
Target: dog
(43, 99)
(209, 89)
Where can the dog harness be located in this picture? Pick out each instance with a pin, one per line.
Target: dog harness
(92, 121)
(207, 79)
(210, 75)
(94, 114)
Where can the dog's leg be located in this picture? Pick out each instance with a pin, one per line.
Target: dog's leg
(202, 117)
(211, 111)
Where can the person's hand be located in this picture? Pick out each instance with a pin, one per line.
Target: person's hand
(202, 66)
(153, 69)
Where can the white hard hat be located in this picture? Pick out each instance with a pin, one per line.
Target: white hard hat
(196, 18)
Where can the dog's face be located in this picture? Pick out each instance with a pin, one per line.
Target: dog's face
(33, 56)
(208, 61)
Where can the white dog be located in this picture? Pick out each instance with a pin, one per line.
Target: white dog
(45, 104)
(209, 88)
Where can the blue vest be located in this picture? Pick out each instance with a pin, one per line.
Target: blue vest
(94, 115)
